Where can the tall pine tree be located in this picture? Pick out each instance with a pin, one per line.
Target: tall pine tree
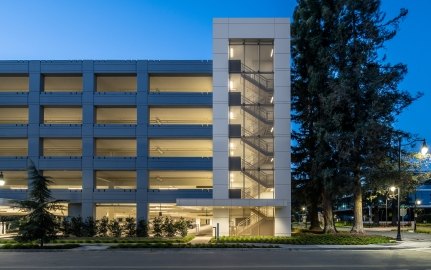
(345, 97)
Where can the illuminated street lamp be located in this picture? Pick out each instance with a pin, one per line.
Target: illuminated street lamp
(398, 219)
(2, 181)
(424, 151)
(417, 202)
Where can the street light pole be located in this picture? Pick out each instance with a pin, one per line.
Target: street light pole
(398, 219)
(399, 214)
(424, 151)
(417, 202)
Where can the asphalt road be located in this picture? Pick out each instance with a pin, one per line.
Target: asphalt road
(219, 259)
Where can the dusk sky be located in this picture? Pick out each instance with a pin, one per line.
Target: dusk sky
(182, 29)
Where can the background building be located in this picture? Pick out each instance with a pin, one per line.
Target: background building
(205, 140)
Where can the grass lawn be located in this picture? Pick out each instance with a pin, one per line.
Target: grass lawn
(423, 228)
(311, 239)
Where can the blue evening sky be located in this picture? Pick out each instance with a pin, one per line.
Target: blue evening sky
(181, 29)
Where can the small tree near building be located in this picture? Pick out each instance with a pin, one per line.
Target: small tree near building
(103, 227)
(157, 226)
(129, 227)
(115, 228)
(39, 224)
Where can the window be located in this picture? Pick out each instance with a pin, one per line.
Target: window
(62, 115)
(116, 115)
(62, 83)
(15, 180)
(11, 83)
(62, 147)
(115, 180)
(180, 148)
(13, 115)
(116, 147)
(64, 179)
(13, 147)
(178, 83)
(181, 116)
(116, 83)
(181, 180)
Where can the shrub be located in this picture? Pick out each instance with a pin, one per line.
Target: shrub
(142, 228)
(129, 227)
(76, 226)
(115, 228)
(103, 227)
(66, 227)
(181, 227)
(168, 227)
(157, 226)
(90, 227)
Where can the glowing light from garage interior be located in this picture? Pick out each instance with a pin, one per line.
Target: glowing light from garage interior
(231, 115)
(272, 99)
(2, 181)
(272, 129)
(272, 52)
(231, 52)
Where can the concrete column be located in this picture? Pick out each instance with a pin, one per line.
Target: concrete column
(142, 142)
(221, 216)
(88, 174)
(220, 111)
(74, 209)
(34, 110)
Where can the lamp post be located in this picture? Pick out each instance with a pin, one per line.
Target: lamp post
(417, 202)
(304, 209)
(398, 219)
(424, 151)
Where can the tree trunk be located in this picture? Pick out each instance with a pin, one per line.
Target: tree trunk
(376, 215)
(328, 215)
(41, 242)
(314, 214)
(358, 224)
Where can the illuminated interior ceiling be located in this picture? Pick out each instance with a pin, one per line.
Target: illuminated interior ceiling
(181, 148)
(65, 179)
(170, 209)
(62, 147)
(181, 179)
(116, 83)
(117, 210)
(181, 83)
(15, 179)
(116, 115)
(13, 83)
(116, 179)
(13, 147)
(13, 115)
(181, 116)
(63, 83)
(62, 115)
(116, 147)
